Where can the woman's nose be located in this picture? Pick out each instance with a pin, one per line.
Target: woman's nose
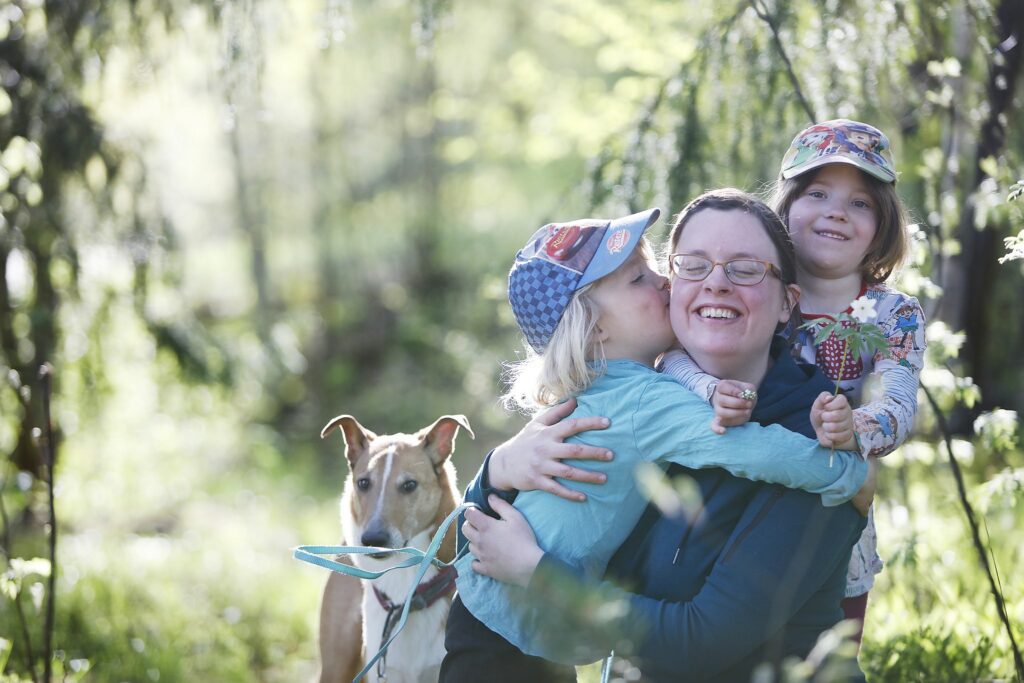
(717, 280)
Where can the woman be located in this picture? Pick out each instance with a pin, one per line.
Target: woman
(760, 573)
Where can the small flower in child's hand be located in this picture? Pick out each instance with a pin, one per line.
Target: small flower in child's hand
(863, 309)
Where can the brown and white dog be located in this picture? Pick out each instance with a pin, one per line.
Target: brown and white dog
(399, 490)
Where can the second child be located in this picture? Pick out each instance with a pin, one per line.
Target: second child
(836, 193)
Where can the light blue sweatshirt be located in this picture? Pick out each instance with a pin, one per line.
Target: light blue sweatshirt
(654, 419)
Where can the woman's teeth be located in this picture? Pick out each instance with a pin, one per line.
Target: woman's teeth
(708, 312)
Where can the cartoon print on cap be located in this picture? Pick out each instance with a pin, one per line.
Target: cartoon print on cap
(860, 141)
(617, 240)
(572, 245)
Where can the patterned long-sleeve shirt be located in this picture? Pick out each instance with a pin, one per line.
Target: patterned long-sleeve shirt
(883, 388)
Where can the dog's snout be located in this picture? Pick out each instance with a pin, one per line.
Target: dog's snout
(377, 538)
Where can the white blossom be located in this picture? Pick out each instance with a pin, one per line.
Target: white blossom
(863, 309)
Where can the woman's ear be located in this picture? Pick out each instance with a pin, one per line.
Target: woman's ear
(790, 299)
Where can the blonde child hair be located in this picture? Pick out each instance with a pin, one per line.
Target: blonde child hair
(571, 358)
(566, 367)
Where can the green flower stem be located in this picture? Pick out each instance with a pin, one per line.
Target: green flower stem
(842, 366)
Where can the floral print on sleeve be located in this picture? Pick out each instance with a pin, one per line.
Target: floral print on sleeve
(885, 418)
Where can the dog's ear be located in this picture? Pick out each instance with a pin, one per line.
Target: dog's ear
(357, 437)
(439, 438)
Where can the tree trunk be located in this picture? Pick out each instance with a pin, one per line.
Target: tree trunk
(971, 276)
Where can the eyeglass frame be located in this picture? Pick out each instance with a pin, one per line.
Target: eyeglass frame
(769, 268)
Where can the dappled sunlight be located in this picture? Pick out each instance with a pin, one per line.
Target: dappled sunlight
(224, 223)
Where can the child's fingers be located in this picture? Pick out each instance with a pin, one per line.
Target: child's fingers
(822, 401)
(836, 416)
(838, 402)
(834, 425)
(838, 434)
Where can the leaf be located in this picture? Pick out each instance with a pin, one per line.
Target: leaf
(5, 652)
(9, 587)
(680, 499)
(826, 330)
(20, 567)
(1016, 190)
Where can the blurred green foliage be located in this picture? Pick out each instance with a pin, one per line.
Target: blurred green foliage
(225, 222)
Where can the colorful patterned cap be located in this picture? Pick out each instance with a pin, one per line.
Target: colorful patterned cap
(840, 141)
(559, 259)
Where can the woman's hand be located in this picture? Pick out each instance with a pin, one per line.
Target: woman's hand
(866, 496)
(505, 549)
(832, 418)
(532, 459)
(733, 402)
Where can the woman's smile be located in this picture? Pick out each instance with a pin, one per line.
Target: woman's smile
(717, 313)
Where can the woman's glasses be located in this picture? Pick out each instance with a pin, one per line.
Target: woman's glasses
(740, 271)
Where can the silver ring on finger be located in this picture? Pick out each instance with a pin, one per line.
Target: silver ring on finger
(748, 394)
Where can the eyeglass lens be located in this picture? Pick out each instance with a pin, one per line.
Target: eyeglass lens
(739, 271)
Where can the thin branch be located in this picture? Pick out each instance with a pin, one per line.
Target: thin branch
(762, 13)
(645, 121)
(22, 621)
(975, 531)
(46, 379)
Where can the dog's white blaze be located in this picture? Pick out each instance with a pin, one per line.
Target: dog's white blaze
(384, 481)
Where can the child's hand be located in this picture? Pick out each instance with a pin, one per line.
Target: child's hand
(866, 495)
(505, 549)
(832, 418)
(733, 402)
(532, 459)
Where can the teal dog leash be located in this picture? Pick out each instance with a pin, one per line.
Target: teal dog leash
(314, 554)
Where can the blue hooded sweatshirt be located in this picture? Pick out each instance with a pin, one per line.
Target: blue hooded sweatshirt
(756, 577)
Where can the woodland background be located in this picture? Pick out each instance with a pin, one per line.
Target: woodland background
(223, 222)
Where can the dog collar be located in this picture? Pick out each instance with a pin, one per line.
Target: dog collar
(426, 594)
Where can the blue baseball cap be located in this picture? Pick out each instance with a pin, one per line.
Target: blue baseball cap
(559, 259)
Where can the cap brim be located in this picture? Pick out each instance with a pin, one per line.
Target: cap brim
(619, 241)
(871, 169)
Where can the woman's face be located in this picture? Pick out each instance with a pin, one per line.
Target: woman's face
(715, 319)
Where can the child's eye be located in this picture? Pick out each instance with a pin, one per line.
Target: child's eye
(861, 204)
(638, 278)
(816, 194)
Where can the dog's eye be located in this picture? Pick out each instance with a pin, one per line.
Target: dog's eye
(363, 483)
(409, 486)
